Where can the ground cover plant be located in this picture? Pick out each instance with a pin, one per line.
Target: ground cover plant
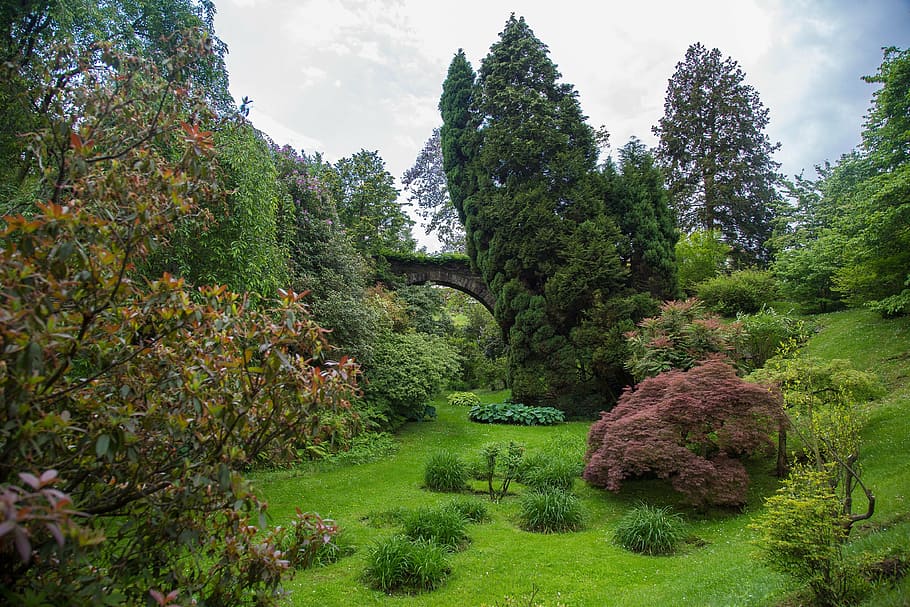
(515, 413)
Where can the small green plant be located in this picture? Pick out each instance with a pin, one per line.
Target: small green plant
(544, 470)
(401, 564)
(516, 413)
(443, 525)
(765, 332)
(446, 472)
(506, 461)
(551, 511)
(309, 540)
(650, 530)
(471, 509)
(463, 399)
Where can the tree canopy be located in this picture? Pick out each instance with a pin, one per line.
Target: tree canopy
(718, 159)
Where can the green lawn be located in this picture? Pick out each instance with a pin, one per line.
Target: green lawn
(584, 568)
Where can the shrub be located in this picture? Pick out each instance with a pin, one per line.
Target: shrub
(801, 533)
(405, 371)
(683, 335)
(689, 427)
(442, 525)
(463, 399)
(515, 413)
(399, 563)
(649, 530)
(506, 462)
(699, 256)
(309, 540)
(551, 511)
(471, 509)
(445, 471)
(764, 332)
(742, 292)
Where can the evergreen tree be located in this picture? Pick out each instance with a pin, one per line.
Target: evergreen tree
(717, 157)
(518, 147)
(639, 200)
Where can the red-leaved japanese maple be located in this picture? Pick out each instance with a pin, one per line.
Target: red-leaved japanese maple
(690, 427)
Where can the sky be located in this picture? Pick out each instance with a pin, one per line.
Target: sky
(338, 76)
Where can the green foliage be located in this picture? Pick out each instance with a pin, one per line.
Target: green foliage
(720, 170)
(551, 510)
(445, 471)
(515, 413)
(541, 471)
(406, 370)
(309, 540)
(502, 461)
(766, 332)
(650, 530)
(742, 292)
(700, 255)
(463, 399)
(801, 533)
(471, 509)
(442, 525)
(641, 206)
(399, 564)
(367, 202)
(131, 399)
(683, 335)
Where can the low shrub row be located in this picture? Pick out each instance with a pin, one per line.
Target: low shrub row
(515, 413)
(463, 399)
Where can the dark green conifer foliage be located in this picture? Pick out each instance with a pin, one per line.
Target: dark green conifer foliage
(639, 201)
(718, 159)
(517, 145)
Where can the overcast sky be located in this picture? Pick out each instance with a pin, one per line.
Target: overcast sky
(338, 76)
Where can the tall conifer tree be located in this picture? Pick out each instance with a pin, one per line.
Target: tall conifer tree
(717, 157)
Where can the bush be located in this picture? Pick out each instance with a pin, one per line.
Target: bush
(514, 413)
(689, 427)
(463, 399)
(309, 540)
(442, 525)
(683, 335)
(551, 511)
(548, 471)
(743, 292)
(398, 563)
(405, 371)
(801, 533)
(649, 530)
(700, 256)
(506, 462)
(471, 509)
(445, 471)
(764, 332)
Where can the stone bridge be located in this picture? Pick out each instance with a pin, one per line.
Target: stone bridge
(455, 273)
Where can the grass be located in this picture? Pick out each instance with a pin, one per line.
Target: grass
(585, 567)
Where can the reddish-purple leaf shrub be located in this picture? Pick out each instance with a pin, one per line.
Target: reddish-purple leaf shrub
(690, 427)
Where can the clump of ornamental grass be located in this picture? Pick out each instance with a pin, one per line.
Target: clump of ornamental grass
(446, 472)
(442, 525)
(402, 564)
(471, 509)
(650, 530)
(551, 511)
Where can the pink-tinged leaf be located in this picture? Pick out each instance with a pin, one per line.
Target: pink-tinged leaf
(6, 527)
(171, 595)
(48, 477)
(159, 598)
(55, 531)
(30, 479)
(23, 546)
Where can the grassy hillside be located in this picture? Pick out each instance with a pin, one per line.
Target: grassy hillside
(585, 568)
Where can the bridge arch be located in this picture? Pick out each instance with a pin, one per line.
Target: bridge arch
(447, 271)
